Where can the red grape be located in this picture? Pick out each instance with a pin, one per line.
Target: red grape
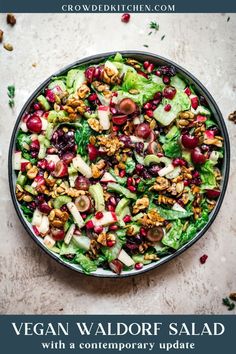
(143, 130)
(34, 124)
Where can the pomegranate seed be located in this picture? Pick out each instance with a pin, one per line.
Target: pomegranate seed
(36, 106)
(89, 225)
(132, 189)
(146, 65)
(125, 18)
(92, 97)
(51, 150)
(111, 207)
(127, 218)
(150, 68)
(138, 266)
(149, 113)
(137, 180)
(186, 183)
(187, 91)
(122, 173)
(115, 128)
(203, 259)
(194, 102)
(196, 174)
(166, 80)
(143, 232)
(112, 201)
(98, 229)
(167, 107)
(113, 227)
(157, 73)
(158, 96)
(160, 154)
(50, 166)
(139, 168)
(42, 164)
(147, 105)
(113, 110)
(84, 216)
(99, 215)
(130, 181)
(110, 243)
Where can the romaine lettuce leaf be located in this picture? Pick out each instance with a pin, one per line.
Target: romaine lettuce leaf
(173, 237)
(146, 88)
(207, 175)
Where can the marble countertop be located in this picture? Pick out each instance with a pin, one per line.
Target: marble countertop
(30, 281)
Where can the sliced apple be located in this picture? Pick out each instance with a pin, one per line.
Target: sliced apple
(44, 226)
(17, 161)
(109, 217)
(107, 177)
(37, 218)
(104, 117)
(81, 166)
(76, 214)
(125, 259)
(49, 241)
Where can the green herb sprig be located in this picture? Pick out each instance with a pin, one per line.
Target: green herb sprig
(11, 95)
(229, 304)
(154, 26)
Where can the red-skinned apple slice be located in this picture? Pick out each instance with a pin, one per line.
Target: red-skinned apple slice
(119, 119)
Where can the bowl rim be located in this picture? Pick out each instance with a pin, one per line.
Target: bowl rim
(94, 58)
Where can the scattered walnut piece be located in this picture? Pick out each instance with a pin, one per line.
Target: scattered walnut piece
(11, 20)
(58, 218)
(1, 35)
(94, 124)
(152, 218)
(83, 91)
(111, 144)
(151, 257)
(34, 65)
(232, 117)
(161, 184)
(141, 204)
(32, 172)
(97, 170)
(8, 47)
(162, 199)
(232, 296)
(102, 238)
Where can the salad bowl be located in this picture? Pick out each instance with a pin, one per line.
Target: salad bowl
(118, 163)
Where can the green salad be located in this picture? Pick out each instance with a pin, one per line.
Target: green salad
(118, 164)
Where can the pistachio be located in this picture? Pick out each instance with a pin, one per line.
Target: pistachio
(8, 47)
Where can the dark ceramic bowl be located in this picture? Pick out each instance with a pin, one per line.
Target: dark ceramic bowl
(199, 88)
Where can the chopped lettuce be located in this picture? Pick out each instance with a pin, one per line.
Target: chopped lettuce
(130, 165)
(86, 264)
(146, 88)
(22, 141)
(207, 175)
(171, 145)
(173, 237)
(169, 214)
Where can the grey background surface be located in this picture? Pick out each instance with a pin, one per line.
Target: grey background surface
(30, 282)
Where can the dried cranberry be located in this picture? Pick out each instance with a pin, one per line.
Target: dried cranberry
(203, 259)
(139, 147)
(168, 70)
(154, 170)
(139, 169)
